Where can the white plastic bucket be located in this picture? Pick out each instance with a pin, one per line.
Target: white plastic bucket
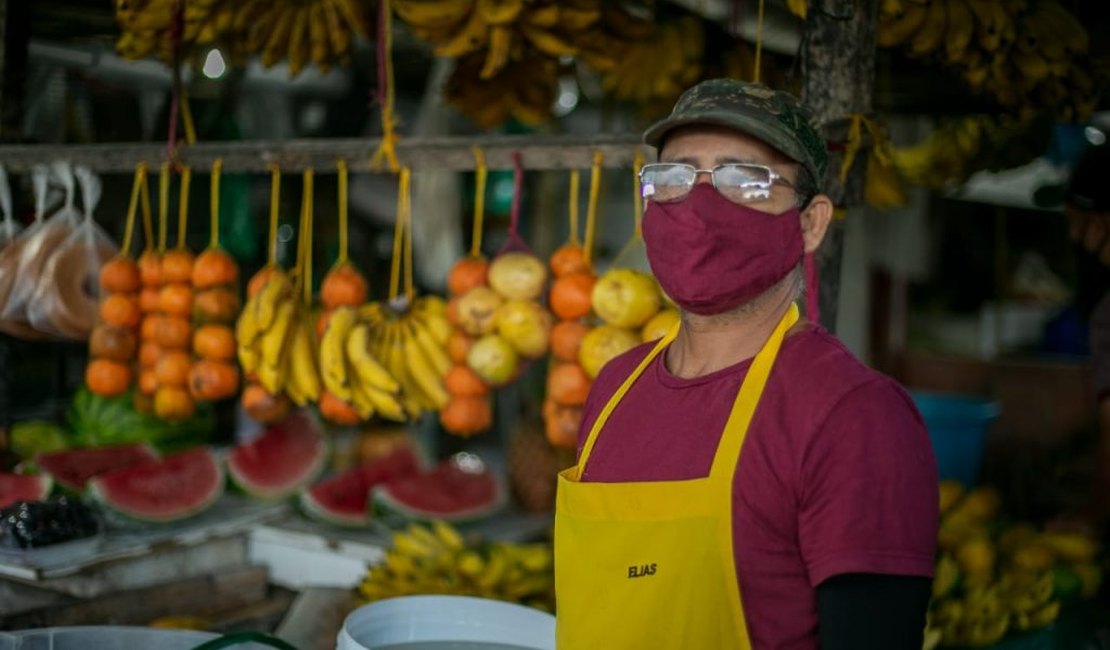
(446, 623)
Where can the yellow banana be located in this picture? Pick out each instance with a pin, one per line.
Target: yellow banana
(360, 399)
(266, 302)
(333, 357)
(992, 22)
(272, 370)
(433, 350)
(578, 18)
(299, 51)
(899, 29)
(304, 375)
(277, 43)
(961, 27)
(386, 404)
(319, 45)
(472, 37)
(338, 36)
(500, 44)
(930, 35)
(499, 12)
(352, 15)
(424, 375)
(549, 43)
(434, 15)
(798, 7)
(447, 535)
(368, 370)
(544, 16)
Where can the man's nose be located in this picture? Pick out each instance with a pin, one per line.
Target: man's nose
(703, 176)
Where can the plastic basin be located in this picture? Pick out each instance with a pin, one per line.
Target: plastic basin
(957, 427)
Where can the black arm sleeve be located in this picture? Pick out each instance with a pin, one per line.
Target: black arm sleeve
(863, 611)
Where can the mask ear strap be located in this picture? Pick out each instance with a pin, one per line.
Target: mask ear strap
(813, 284)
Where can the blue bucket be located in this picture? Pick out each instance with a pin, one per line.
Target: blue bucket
(958, 430)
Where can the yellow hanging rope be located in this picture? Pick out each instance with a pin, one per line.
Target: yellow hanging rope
(148, 221)
(482, 173)
(342, 171)
(163, 205)
(306, 270)
(575, 177)
(387, 150)
(214, 203)
(758, 44)
(187, 118)
(132, 208)
(410, 289)
(275, 197)
(637, 197)
(183, 207)
(398, 234)
(591, 207)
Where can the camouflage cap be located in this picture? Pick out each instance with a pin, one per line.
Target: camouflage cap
(773, 116)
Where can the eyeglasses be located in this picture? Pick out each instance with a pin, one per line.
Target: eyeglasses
(737, 182)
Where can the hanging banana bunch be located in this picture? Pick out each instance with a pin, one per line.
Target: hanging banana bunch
(299, 32)
(525, 90)
(653, 71)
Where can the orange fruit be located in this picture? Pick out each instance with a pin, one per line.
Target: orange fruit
(107, 378)
(567, 259)
(571, 295)
(216, 342)
(176, 300)
(173, 404)
(216, 305)
(343, 286)
(120, 310)
(568, 385)
(561, 424)
(148, 330)
(566, 339)
(120, 275)
(262, 406)
(466, 274)
(213, 380)
(115, 343)
(150, 268)
(214, 268)
(258, 280)
(173, 369)
(148, 382)
(337, 411)
(453, 310)
(466, 416)
(458, 344)
(322, 323)
(177, 266)
(150, 300)
(149, 354)
(173, 333)
(462, 382)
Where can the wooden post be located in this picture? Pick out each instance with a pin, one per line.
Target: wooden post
(838, 79)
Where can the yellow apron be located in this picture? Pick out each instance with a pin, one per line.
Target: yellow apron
(650, 564)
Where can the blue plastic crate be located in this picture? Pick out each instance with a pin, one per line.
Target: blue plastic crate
(957, 427)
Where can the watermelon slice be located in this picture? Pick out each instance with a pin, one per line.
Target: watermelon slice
(282, 460)
(72, 469)
(462, 488)
(342, 500)
(178, 486)
(17, 487)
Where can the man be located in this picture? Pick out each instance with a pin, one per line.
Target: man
(821, 533)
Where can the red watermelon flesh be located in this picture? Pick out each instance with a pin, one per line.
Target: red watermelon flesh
(178, 486)
(73, 468)
(343, 499)
(459, 489)
(17, 487)
(282, 460)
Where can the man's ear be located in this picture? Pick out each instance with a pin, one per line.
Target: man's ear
(815, 221)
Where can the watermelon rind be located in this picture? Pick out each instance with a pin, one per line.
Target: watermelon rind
(104, 491)
(18, 487)
(384, 501)
(298, 479)
(317, 510)
(55, 464)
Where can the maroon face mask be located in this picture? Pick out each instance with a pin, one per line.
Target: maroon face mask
(711, 255)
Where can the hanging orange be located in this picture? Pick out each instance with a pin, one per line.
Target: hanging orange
(213, 380)
(567, 259)
(453, 311)
(120, 275)
(215, 342)
(461, 381)
(148, 331)
(150, 268)
(219, 305)
(115, 343)
(176, 300)
(149, 354)
(571, 295)
(458, 345)
(173, 369)
(177, 266)
(258, 280)
(214, 268)
(173, 333)
(150, 300)
(566, 339)
(568, 385)
(107, 378)
(466, 416)
(120, 310)
(173, 404)
(148, 382)
(337, 411)
(466, 274)
(561, 424)
(262, 406)
(343, 286)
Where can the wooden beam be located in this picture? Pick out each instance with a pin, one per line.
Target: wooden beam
(453, 153)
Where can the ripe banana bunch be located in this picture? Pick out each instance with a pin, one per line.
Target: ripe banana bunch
(655, 70)
(435, 559)
(525, 90)
(502, 29)
(276, 342)
(353, 371)
(409, 342)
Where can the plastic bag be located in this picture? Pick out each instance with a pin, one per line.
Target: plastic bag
(11, 258)
(67, 297)
(9, 229)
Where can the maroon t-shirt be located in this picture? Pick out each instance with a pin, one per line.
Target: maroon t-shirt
(836, 476)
